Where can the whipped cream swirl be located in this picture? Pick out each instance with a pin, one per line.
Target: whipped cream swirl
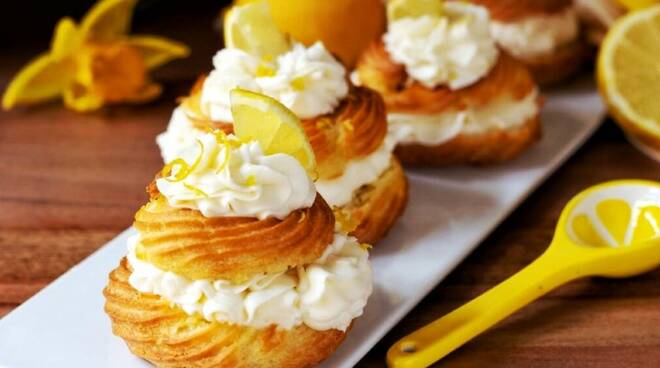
(537, 35)
(180, 133)
(307, 80)
(455, 49)
(326, 294)
(223, 177)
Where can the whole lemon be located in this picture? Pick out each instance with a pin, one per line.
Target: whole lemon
(346, 27)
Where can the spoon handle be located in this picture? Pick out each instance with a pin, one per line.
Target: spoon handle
(437, 339)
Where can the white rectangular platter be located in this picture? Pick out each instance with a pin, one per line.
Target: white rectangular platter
(450, 212)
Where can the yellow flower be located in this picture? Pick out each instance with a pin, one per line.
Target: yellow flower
(94, 63)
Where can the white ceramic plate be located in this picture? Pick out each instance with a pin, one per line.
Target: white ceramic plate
(450, 212)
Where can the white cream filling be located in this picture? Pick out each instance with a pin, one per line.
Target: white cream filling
(339, 191)
(326, 294)
(537, 35)
(433, 129)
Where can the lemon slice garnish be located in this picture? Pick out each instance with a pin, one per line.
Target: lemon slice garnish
(629, 74)
(397, 9)
(251, 28)
(276, 128)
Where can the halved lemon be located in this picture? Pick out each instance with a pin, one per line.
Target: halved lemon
(628, 74)
(637, 4)
(397, 9)
(251, 28)
(346, 27)
(276, 128)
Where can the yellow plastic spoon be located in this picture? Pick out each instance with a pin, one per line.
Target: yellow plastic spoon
(610, 230)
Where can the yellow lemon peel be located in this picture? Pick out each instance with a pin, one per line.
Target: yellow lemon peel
(228, 143)
(298, 84)
(183, 169)
(264, 70)
(251, 180)
(195, 189)
(94, 63)
(347, 125)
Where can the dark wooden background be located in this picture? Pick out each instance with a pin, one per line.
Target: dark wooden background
(70, 182)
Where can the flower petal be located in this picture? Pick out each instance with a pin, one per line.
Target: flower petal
(81, 98)
(157, 51)
(44, 78)
(108, 20)
(66, 38)
(146, 94)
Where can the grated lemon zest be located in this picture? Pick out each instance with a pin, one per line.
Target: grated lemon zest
(265, 71)
(195, 189)
(298, 84)
(184, 169)
(366, 246)
(251, 180)
(181, 173)
(323, 124)
(223, 140)
(347, 125)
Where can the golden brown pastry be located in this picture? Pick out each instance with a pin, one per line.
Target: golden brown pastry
(354, 157)
(544, 34)
(347, 126)
(482, 111)
(169, 338)
(224, 270)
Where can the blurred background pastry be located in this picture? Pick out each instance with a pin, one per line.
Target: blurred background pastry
(238, 261)
(544, 34)
(597, 16)
(452, 96)
(357, 173)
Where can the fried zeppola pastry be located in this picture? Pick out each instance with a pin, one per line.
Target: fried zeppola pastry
(543, 34)
(358, 175)
(238, 262)
(168, 337)
(446, 104)
(346, 126)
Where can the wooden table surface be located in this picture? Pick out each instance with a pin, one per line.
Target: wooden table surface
(71, 182)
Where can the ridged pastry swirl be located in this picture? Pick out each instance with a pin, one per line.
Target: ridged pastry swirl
(355, 129)
(376, 70)
(169, 338)
(509, 10)
(230, 248)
